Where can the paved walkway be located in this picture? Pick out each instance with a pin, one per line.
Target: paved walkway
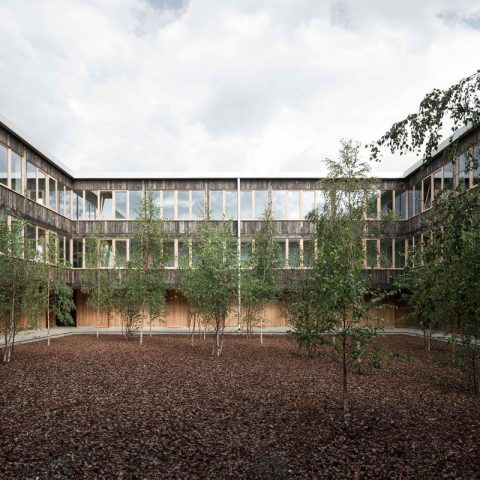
(27, 336)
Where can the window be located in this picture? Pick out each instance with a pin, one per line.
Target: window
(135, 203)
(448, 170)
(77, 253)
(31, 182)
(61, 199)
(30, 236)
(372, 205)
(68, 260)
(261, 203)
(293, 205)
(371, 253)
(411, 205)
(183, 254)
(463, 179)
(183, 202)
(91, 204)
(320, 200)
(120, 205)
(106, 205)
(294, 253)
(168, 205)
(106, 253)
(281, 251)
(198, 204)
(231, 205)
(216, 204)
(68, 197)
(169, 254)
(386, 201)
(437, 182)
(386, 252)
(246, 210)
(427, 192)
(3, 166)
(52, 193)
(195, 254)
(77, 205)
(476, 165)
(308, 202)
(16, 173)
(401, 204)
(41, 243)
(246, 250)
(278, 204)
(120, 253)
(41, 187)
(308, 253)
(417, 194)
(399, 253)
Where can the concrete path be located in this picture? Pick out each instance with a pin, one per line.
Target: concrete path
(27, 336)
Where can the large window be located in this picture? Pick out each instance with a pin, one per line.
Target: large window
(308, 202)
(41, 179)
(106, 205)
(399, 252)
(169, 254)
(120, 205)
(448, 170)
(278, 204)
(293, 253)
(231, 205)
(246, 207)
(61, 199)
(372, 205)
(91, 205)
(3, 166)
(246, 250)
(261, 203)
(437, 182)
(371, 253)
(198, 204)
(31, 182)
(183, 254)
(308, 253)
(293, 205)
(16, 172)
(282, 251)
(417, 193)
(320, 200)
(168, 205)
(401, 204)
(52, 193)
(386, 252)
(216, 204)
(476, 165)
(77, 205)
(120, 253)
(183, 205)
(427, 192)
(68, 201)
(135, 203)
(386, 201)
(463, 178)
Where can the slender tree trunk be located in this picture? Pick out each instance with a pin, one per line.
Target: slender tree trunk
(221, 337)
(261, 330)
(193, 329)
(346, 409)
(141, 332)
(429, 339)
(97, 315)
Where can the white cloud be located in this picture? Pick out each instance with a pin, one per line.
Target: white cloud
(222, 85)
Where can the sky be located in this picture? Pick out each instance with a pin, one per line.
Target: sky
(205, 86)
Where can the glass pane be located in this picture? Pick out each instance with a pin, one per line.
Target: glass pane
(106, 204)
(246, 205)
(52, 193)
(281, 251)
(3, 166)
(399, 253)
(463, 172)
(278, 204)
(61, 249)
(41, 243)
(294, 253)
(183, 198)
(293, 205)
(120, 253)
(169, 253)
(77, 205)
(437, 182)
(195, 254)
(308, 253)
(386, 200)
(30, 236)
(183, 254)
(216, 204)
(168, 207)
(120, 205)
(418, 198)
(372, 205)
(106, 254)
(410, 203)
(67, 251)
(261, 203)
(448, 176)
(308, 202)
(135, 202)
(372, 253)
(320, 194)
(31, 182)
(91, 205)
(40, 187)
(68, 196)
(427, 193)
(386, 252)
(476, 165)
(400, 204)
(198, 204)
(61, 199)
(16, 172)
(231, 205)
(246, 250)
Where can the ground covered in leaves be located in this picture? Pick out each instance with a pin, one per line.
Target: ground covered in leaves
(109, 408)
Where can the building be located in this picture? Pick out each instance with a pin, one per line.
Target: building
(52, 200)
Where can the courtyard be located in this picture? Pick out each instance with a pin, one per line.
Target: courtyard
(109, 408)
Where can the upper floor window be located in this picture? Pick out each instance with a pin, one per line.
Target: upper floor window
(261, 203)
(231, 205)
(52, 193)
(437, 182)
(168, 205)
(198, 204)
(91, 205)
(463, 177)
(121, 205)
(308, 202)
(278, 204)
(183, 205)
(216, 204)
(134, 203)
(293, 205)
(448, 170)
(427, 192)
(16, 172)
(3, 165)
(386, 200)
(417, 198)
(31, 182)
(106, 205)
(246, 204)
(401, 204)
(41, 179)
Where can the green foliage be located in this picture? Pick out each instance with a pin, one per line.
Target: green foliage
(421, 132)
(259, 284)
(210, 286)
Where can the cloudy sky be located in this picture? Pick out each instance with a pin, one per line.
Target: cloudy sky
(224, 85)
